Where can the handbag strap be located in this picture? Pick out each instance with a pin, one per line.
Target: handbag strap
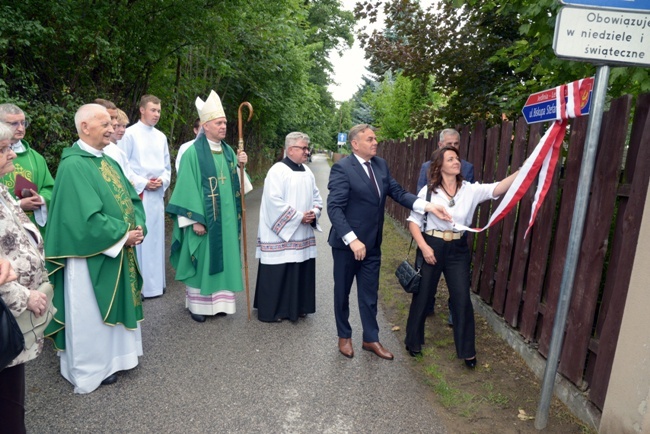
(410, 245)
(426, 214)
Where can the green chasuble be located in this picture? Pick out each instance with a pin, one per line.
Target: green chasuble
(93, 206)
(207, 191)
(32, 166)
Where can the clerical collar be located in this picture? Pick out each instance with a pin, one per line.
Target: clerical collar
(18, 147)
(293, 166)
(215, 146)
(86, 147)
(145, 125)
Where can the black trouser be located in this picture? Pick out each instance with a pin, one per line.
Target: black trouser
(12, 400)
(452, 259)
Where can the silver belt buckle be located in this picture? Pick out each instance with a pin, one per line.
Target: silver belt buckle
(448, 235)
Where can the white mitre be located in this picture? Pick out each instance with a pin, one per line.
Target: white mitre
(210, 109)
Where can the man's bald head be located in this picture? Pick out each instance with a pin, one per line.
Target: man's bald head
(94, 125)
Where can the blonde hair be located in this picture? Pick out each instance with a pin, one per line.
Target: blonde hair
(122, 118)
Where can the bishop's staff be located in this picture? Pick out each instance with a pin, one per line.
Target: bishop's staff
(240, 148)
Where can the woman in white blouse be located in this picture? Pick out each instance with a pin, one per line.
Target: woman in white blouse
(445, 250)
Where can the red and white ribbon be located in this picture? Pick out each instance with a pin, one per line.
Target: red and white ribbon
(542, 160)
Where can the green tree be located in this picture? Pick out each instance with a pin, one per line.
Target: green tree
(446, 50)
(486, 56)
(55, 56)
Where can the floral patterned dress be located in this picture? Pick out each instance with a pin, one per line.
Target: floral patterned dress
(22, 245)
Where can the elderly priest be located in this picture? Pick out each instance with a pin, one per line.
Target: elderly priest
(96, 220)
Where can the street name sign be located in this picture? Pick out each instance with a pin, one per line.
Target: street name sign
(542, 106)
(637, 5)
(603, 36)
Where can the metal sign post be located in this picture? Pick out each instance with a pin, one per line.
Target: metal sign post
(575, 240)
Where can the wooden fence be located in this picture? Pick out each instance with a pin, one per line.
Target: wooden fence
(520, 278)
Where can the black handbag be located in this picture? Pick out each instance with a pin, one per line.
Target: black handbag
(11, 337)
(409, 276)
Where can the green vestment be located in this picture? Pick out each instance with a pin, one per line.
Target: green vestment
(93, 206)
(32, 166)
(208, 194)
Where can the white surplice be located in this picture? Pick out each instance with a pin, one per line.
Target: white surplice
(181, 151)
(281, 236)
(94, 350)
(114, 151)
(148, 154)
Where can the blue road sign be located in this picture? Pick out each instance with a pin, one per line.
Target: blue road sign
(542, 106)
(343, 137)
(636, 5)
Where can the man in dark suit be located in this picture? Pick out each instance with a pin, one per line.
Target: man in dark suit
(358, 187)
(448, 137)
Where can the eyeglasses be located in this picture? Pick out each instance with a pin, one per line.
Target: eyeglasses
(304, 148)
(16, 124)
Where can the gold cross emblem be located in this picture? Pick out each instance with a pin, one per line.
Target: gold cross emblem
(214, 189)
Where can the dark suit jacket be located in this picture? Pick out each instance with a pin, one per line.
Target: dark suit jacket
(466, 169)
(353, 205)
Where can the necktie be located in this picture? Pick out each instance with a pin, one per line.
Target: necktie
(372, 177)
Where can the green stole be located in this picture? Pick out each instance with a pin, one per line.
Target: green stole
(211, 199)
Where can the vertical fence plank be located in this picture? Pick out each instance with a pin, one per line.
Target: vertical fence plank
(476, 152)
(464, 143)
(419, 157)
(488, 277)
(508, 232)
(485, 283)
(520, 258)
(475, 149)
(540, 244)
(562, 230)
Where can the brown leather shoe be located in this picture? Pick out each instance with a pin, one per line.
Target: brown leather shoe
(376, 348)
(345, 347)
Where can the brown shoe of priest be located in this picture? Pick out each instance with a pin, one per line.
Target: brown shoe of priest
(345, 347)
(376, 348)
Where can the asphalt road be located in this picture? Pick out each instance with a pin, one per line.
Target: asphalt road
(229, 375)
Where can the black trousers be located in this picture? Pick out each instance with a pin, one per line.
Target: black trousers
(12, 400)
(452, 259)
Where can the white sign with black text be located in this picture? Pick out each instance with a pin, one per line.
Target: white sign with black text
(603, 36)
